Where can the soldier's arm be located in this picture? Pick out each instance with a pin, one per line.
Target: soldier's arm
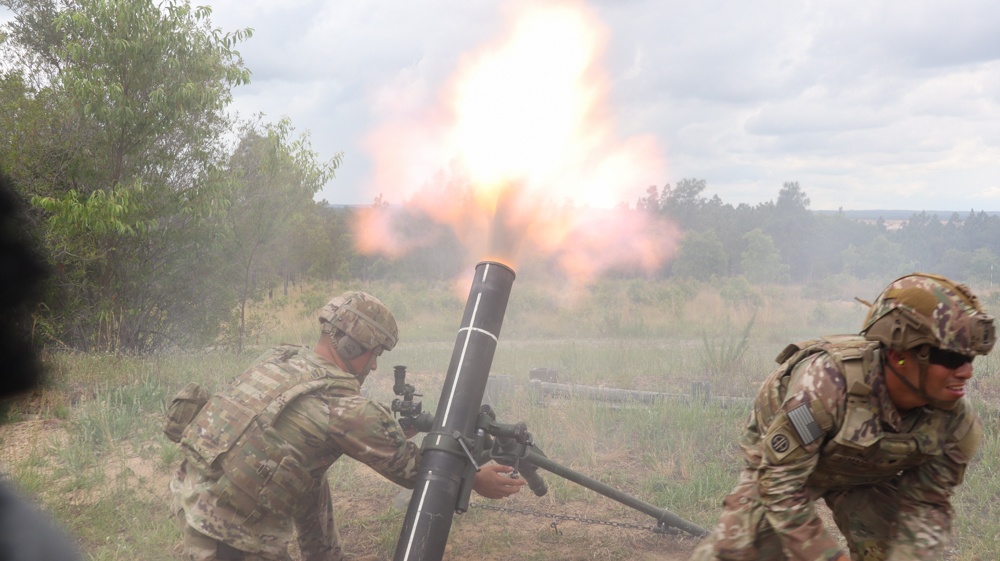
(790, 443)
(367, 432)
(925, 512)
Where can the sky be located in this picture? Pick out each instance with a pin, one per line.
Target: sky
(866, 104)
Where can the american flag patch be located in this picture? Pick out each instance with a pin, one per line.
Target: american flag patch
(805, 424)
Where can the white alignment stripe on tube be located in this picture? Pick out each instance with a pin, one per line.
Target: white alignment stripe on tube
(416, 520)
(461, 361)
(483, 331)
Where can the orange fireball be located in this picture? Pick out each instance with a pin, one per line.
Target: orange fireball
(520, 156)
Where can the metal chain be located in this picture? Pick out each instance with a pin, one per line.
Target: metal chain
(659, 529)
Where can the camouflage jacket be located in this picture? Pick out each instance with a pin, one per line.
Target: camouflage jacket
(824, 421)
(257, 448)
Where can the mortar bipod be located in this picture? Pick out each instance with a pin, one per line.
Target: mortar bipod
(512, 445)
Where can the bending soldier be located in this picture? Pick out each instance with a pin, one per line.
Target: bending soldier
(875, 425)
(256, 454)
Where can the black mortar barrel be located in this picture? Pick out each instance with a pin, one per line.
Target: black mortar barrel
(444, 465)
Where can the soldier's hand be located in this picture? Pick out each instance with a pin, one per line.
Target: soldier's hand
(492, 483)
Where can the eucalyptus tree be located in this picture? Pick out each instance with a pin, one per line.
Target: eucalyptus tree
(133, 220)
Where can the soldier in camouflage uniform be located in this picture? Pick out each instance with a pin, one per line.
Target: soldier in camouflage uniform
(875, 425)
(256, 454)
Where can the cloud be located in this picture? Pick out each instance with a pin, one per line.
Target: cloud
(863, 102)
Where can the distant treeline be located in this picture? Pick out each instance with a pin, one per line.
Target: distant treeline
(783, 240)
(888, 214)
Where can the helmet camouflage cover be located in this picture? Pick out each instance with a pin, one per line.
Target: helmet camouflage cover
(363, 318)
(924, 309)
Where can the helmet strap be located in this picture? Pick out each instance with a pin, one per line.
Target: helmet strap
(887, 365)
(923, 362)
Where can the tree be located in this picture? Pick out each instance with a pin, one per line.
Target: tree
(35, 39)
(651, 202)
(975, 265)
(130, 215)
(834, 233)
(701, 256)
(876, 259)
(273, 179)
(923, 239)
(790, 224)
(684, 202)
(761, 261)
(982, 266)
(39, 136)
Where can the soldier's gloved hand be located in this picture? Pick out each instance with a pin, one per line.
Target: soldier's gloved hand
(493, 484)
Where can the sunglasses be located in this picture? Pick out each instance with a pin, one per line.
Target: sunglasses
(948, 359)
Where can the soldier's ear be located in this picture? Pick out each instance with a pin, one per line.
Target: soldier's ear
(894, 356)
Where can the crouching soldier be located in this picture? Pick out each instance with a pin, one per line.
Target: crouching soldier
(256, 454)
(875, 425)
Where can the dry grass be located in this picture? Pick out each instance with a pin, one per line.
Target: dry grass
(88, 447)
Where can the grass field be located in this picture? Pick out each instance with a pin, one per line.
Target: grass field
(88, 447)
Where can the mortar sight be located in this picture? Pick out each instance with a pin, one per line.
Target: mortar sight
(400, 387)
(410, 413)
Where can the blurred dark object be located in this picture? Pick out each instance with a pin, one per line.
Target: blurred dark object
(22, 274)
(25, 533)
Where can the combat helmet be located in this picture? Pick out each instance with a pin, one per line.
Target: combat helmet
(362, 318)
(924, 309)
(929, 314)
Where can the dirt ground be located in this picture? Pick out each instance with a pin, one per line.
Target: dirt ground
(369, 523)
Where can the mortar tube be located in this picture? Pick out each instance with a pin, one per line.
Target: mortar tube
(444, 469)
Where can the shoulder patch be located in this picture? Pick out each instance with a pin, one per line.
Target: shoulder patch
(805, 424)
(780, 444)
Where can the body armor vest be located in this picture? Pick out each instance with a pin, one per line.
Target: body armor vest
(862, 450)
(232, 438)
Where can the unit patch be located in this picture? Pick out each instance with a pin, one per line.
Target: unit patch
(779, 443)
(805, 424)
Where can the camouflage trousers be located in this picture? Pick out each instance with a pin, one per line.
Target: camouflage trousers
(315, 528)
(199, 547)
(865, 515)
